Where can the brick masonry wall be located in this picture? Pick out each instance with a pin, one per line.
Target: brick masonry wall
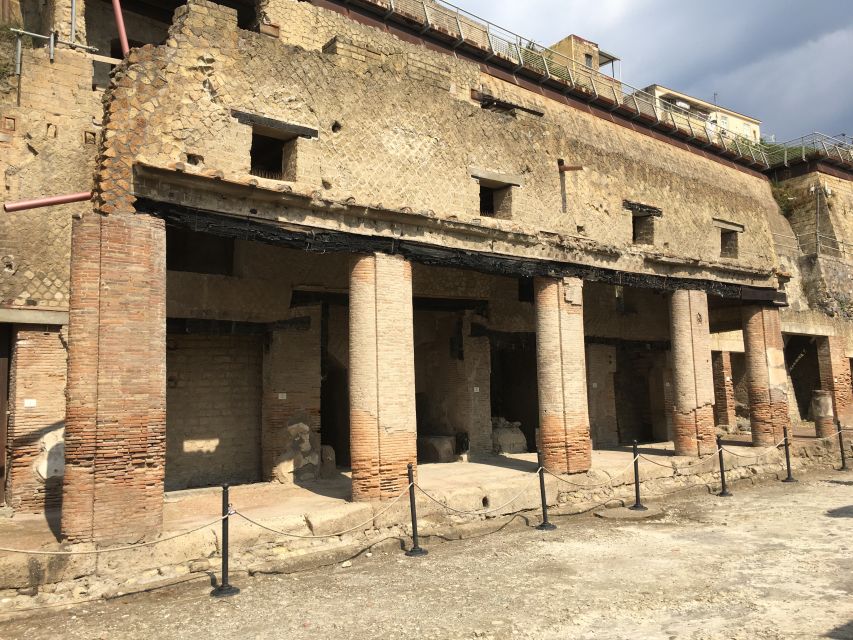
(291, 399)
(213, 410)
(457, 389)
(835, 375)
(766, 374)
(693, 388)
(116, 411)
(37, 419)
(601, 394)
(724, 392)
(563, 415)
(382, 376)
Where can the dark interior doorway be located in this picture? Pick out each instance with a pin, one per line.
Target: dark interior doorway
(514, 388)
(802, 364)
(334, 385)
(5, 358)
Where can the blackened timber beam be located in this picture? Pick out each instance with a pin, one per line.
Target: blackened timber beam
(331, 241)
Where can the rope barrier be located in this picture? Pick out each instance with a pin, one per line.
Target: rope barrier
(676, 468)
(125, 548)
(596, 485)
(477, 512)
(327, 535)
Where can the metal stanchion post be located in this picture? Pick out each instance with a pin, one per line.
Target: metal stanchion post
(416, 548)
(638, 506)
(724, 492)
(225, 588)
(790, 477)
(544, 525)
(844, 466)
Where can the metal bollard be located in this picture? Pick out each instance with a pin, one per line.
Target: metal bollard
(724, 492)
(638, 506)
(544, 525)
(790, 477)
(225, 588)
(416, 548)
(844, 466)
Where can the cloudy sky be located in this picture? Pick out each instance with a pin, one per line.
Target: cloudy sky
(788, 63)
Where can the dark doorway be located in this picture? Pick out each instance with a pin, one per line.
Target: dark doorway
(803, 369)
(639, 393)
(334, 385)
(5, 357)
(514, 388)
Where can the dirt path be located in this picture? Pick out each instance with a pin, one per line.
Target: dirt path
(774, 561)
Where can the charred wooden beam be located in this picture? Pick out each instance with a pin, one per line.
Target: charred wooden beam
(329, 241)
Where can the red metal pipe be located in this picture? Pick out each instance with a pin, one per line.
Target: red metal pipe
(122, 34)
(23, 205)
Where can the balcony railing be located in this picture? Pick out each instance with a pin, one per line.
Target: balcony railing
(461, 29)
(815, 146)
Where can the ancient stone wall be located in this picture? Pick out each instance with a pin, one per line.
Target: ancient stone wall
(213, 410)
(37, 419)
(428, 141)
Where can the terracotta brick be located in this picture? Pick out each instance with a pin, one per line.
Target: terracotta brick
(766, 374)
(564, 439)
(693, 391)
(835, 375)
(383, 438)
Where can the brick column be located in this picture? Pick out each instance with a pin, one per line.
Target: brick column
(383, 433)
(692, 378)
(724, 391)
(767, 378)
(835, 375)
(823, 414)
(116, 410)
(561, 371)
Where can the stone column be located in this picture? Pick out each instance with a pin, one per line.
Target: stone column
(693, 387)
(724, 392)
(116, 398)
(835, 375)
(767, 378)
(824, 416)
(561, 371)
(383, 433)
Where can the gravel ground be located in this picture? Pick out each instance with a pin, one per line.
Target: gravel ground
(774, 561)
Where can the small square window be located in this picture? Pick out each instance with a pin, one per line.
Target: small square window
(495, 200)
(643, 229)
(273, 158)
(728, 243)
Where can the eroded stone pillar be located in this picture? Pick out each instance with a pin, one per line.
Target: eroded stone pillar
(561, 370)
(383, 434)
(823, 414)
(116, 399)
(835, 375)
(724, 391)
(692, 378)
(767, 378)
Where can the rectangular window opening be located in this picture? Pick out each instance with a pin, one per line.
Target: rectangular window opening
(728, 243)
(643, 229)
(495, 200)
(587, 58)
(273, 158)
